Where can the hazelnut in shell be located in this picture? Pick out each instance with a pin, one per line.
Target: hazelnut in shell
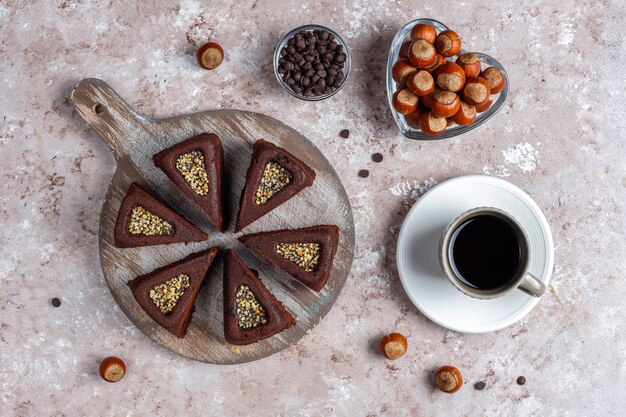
(483, 106)
(401, 70)
(404, 50)
(476, 91)
(423, 31)
(404, 101)
(448, 43)
(470, 64)
(421, 83)
(465, 115)
(112, 369)
(439, 61)
(413, 119)
(445, 104)
(450, 76)
(495, 79)
(393, 346)
(421, 53)
(210, 55)
(431, 124)
(448, 379)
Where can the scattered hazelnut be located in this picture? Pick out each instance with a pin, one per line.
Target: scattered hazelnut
(210, 55)
(448, 379)
(112, 369)
(393, 346)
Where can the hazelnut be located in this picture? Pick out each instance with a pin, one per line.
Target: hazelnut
(448, 379)
(112, 369)
(393, 346)
(210, 55)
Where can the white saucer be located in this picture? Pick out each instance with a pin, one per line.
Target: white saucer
(418, 262)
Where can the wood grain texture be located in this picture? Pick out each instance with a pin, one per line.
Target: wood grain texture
(133, 139)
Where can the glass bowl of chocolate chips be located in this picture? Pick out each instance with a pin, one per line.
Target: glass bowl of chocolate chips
(312, 62)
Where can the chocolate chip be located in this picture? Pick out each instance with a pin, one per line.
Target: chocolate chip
(521, 380)
(377, 157)
(364, 173)
(345, 133)
(283, 51)
(480, 385)
(288, 65)
(56, 302)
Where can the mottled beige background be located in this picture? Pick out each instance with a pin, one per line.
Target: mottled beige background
(560, 138)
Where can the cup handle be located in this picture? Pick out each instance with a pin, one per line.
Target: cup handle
(532, 285)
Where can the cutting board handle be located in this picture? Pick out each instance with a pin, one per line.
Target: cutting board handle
(105, 111)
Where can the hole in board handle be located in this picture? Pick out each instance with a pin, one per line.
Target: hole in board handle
(98, 108)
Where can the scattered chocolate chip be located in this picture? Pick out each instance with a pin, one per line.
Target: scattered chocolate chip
(345, 133)
(521, 380)
(480, 385)
(56, 302)
(377, 157)
(364, 173)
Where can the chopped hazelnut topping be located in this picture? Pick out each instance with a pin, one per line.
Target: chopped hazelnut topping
(305, 255)
(274, 179)
(191, 166)
(143, 222)
(166, 295)
(250, 313)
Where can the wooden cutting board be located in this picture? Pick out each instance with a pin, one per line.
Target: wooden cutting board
(133, 139)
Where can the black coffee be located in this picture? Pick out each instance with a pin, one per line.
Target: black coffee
(485, 252)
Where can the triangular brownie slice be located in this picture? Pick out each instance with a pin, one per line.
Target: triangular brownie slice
(251, 312)
(167, 294)
(307, 254)
(144, 220)
(195, 165)
(273, 177)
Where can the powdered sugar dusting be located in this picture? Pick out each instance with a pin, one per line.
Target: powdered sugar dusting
(410, 191)
(522, 156)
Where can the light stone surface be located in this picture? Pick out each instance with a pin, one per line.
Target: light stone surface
(560, 138)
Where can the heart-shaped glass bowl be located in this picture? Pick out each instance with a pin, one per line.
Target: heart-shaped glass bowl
(454, 130)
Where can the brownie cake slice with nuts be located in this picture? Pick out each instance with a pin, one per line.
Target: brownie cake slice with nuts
(167, 294)
(144, 220)
(273, 177)
(307, 254)
(195, 165)
(251, 312)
